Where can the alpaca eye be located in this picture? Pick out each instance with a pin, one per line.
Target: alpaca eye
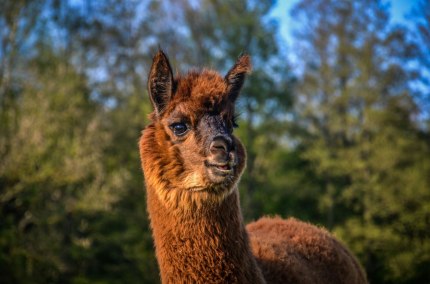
(179, 129)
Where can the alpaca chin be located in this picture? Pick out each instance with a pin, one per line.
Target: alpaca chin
(194, 198)
(200, 190)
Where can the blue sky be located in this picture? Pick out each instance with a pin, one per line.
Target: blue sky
(398, 9)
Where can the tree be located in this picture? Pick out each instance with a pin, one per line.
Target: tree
(64, 194)
(49, 169)
(355, 101)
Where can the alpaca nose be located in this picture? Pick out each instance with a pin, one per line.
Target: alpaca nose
(220, 145)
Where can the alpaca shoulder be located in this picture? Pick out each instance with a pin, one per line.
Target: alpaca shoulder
(292, 251)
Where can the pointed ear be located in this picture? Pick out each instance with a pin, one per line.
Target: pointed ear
(160, 82)
(236, 76)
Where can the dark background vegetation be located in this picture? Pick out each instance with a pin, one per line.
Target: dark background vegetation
(340, 138)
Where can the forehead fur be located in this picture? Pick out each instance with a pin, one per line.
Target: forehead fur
(207, 89)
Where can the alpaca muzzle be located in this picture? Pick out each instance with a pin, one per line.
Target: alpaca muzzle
(222, 157)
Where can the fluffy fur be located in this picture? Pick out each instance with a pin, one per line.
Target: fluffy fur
(291, 251)
(192, 163)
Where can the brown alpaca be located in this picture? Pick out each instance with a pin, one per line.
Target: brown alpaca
(192, 163)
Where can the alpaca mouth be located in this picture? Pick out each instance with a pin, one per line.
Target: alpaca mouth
(219, 171)
(223, 168)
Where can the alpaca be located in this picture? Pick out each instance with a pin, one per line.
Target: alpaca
(192, 163)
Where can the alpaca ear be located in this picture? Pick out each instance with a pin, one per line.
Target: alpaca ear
(160, 82)
(236, 76)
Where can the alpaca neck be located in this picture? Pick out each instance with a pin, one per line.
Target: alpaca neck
(208, 244)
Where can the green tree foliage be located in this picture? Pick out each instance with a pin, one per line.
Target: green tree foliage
(51, 166)
(350, 151)
(355, 100)
(71, 210)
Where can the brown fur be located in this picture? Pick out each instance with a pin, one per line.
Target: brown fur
(291, 251)
(192, 163)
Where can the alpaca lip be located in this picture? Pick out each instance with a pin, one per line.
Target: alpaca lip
(224, 168)
(221, 169)
(219, 173)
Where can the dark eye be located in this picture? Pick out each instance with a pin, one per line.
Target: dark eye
(179, 128)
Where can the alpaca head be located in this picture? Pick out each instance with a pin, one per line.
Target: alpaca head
(189, 153)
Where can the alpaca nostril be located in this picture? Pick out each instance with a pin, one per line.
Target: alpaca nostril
(220, 145)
